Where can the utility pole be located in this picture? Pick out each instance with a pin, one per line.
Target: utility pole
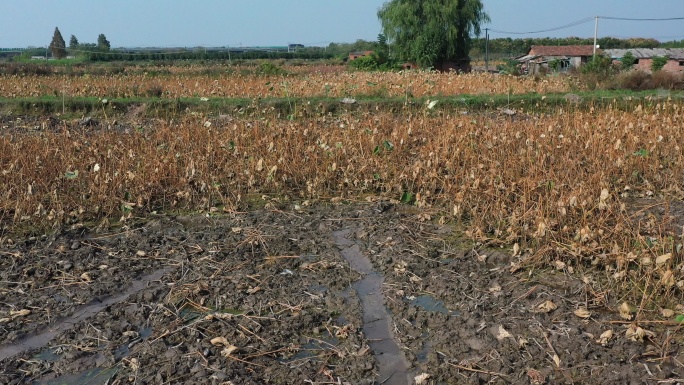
(595, 36)
(487, 50)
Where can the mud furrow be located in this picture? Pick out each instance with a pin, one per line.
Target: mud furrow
(377, 320)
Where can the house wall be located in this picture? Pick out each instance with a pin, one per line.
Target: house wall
(644, 65)
(576, 62)
(459, 66)
(356, 55)
(672, 65)
(675, 66)
(534, 68)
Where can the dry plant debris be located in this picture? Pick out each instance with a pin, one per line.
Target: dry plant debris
(313, 84)
(595, 192)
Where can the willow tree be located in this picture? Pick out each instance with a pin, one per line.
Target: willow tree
(429, 32)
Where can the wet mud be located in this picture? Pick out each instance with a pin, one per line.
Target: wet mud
(82, 313)
(323, 294)
(377, 320)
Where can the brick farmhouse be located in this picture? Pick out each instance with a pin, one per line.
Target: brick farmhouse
(644, 57)
(566, 57)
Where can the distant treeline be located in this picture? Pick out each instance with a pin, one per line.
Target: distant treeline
(498, 48)
(201, 55)
(673, 44)
(194, 54)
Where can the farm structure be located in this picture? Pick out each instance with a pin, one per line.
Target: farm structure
(644, 57)
(357, 54)
(542, 58)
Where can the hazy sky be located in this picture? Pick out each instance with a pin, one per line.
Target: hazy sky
(177, 23)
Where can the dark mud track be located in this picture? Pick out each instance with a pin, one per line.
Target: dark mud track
(345, 294)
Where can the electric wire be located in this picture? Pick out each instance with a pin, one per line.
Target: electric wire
(160, 50)
(583, 21)
(573, 24)
(634, 19)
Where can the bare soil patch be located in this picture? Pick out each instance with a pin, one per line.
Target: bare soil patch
(267, 296)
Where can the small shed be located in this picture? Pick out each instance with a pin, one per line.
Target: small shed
(565, 57)
(644, 57)
(358, 54)
(459, 65)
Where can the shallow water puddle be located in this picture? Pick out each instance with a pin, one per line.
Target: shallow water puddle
(377, 320)
(313, 347)
(429, 303)
(422, 354)
(38, 341)
(125, 349)
(47, 355)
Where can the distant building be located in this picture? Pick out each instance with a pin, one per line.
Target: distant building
(358, 54)
(462, 65)
(294, 47)
(644, 57)
(410, 66)
(566, 56)
(48, 58)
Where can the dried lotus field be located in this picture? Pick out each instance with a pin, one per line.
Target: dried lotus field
(250, 83)
(384, 236)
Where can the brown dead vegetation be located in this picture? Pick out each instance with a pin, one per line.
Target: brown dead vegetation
(319, 83)
(557, 186)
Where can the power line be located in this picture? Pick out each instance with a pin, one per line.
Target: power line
(574, 23)
(650, 37)
(586, 20)
(633, 19)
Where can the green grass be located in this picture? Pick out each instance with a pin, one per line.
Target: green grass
(287, 106)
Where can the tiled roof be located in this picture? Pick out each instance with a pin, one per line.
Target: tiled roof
(562, 50)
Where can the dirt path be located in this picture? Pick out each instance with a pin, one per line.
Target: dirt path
(353, 293)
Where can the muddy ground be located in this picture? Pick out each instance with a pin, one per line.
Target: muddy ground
(362, 293)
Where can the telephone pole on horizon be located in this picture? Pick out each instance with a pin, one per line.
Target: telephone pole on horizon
(486, 50)
(595, 36)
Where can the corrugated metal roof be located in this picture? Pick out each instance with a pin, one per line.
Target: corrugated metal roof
(647, 53)
(526, 58)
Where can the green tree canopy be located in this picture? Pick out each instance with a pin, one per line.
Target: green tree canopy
(57, 45)
(103, 43)
(382, 50)
(431, 31)
(73, 42)
(658, 62)
(628, 60)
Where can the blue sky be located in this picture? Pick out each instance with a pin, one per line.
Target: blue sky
(176, 23)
